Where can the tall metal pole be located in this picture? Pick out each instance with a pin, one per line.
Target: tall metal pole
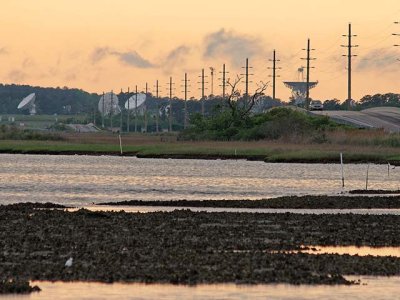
(185, 121)
(349, 55)
(102, 114)
(112, 110)
(202, 92)
(136, 115)
(223, 85)
(212, 69)
(120, 119)
(307, 104)
(158, 107)
(274, 68)
(128, 114)
(170, 104)
(223, 81)
(145, 110)
(246, 74)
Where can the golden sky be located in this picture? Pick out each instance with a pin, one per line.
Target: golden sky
(101, 45)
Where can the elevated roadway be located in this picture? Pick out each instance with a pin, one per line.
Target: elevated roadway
(387, 118)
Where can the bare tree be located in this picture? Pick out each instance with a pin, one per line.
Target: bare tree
(241, 106)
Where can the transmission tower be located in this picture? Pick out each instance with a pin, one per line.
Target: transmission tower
(246, 74)
(274, 68)
(309, 59)
(203, 88)
(185, 91)
(145, 109)
(349, 56)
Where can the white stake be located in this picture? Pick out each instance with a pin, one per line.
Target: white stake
(120, 143)
(341, 163)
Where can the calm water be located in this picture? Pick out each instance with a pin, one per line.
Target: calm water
(81, 180)
(373, 288)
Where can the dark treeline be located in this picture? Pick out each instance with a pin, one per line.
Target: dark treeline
(75, 101)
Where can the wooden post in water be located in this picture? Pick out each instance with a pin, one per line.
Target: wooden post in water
(366, 180)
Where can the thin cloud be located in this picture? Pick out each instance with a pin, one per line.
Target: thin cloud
(233, 45)
(131, 58)
(3, 51)
(176, 58)
(378, 60)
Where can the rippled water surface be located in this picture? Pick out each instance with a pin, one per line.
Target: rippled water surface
(81, 180)
(371, 288)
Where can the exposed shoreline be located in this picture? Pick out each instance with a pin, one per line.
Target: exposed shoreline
(184, 247)
(318, 160)
(289, 202)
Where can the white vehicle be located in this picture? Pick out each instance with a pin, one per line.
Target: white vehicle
(316, 105)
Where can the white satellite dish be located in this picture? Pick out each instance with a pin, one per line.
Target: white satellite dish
(108, 104)
(28, 103)
(131, 103)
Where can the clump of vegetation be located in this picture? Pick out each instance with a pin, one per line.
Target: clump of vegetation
(11, 286)
(14, 133)
(278, 123)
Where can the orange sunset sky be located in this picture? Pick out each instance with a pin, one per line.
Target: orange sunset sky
(100, 45)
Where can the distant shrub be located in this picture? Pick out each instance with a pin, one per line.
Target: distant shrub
(14, 133)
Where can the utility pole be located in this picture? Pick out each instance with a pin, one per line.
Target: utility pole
(145, 109)
(120, 119)
(349, 55)
(158, 107)
(246, 74)
(223, 85)
(274, 68)
(396, 34)
(136, 114)
(129, 112)
(212, 69)
(185, 86)
(102, 113)
(309, 58)
(112, 110)
(170, 104)
(203, 88)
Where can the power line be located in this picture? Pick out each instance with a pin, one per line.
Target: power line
(274, 68)
(185, 91)
(396, 34)
(349, 56)
(308, 58)
(170, 84)
(246, 74)
(223, 85)
(203, 88)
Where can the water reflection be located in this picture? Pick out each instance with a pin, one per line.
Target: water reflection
(372, 288)
(353, 250)
(80, 180)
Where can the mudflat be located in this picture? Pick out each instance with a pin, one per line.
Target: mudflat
(185, 247)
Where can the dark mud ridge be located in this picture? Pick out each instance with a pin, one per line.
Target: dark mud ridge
(290, 202)
(11, 286)
(375, 192)
(183, 247)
